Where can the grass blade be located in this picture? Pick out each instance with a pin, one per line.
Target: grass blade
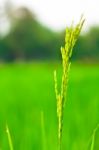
(93, 137)
(9, 138)
(43, 132)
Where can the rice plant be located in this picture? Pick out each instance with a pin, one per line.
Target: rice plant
(72, 34)
(71, 37)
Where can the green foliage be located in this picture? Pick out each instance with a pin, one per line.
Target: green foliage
(88, 45)
(29, 39)
(27, 89)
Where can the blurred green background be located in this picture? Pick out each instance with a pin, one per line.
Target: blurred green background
(29, 53)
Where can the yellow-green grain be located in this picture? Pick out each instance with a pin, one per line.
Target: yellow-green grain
(71, 37)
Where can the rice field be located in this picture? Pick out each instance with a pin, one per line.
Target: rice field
(28, 106)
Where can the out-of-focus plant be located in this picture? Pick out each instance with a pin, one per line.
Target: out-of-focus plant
(9, 138)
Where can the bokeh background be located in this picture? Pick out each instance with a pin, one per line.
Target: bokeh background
(31, 34)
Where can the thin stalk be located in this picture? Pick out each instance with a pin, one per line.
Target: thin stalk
(71, 37)
(9, 138)
(44, 145)
(93, 138)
